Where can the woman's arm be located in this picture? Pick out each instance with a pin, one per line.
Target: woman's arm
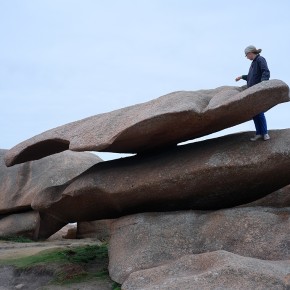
(243, 77)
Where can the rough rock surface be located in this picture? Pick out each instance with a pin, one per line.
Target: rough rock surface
(19, 184)
(148, 240)
(101, 229)
(94, 229)
(212, 271)
(20, 224)
(169, 119)
(218, 173)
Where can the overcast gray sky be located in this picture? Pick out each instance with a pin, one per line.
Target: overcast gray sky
(64, 60)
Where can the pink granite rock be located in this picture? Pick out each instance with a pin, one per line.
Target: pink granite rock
(167, 120)
(24, 224)
(94, 229)
(19, 184)
(218, 173)
(213, 270)
(148, 240)
(69, 231)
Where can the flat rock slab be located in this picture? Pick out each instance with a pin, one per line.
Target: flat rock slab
(148, 240)
(212, 174)
(211, 271)
(167, 120)
(19, 184)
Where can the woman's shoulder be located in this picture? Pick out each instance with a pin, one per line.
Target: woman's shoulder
(260, 58)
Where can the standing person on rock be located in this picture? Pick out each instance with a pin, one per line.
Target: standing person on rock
(258, 72)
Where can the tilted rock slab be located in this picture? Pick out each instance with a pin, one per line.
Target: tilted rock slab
(211, 271)
(212, 174)
(101, 229)
(148, 240)
(169, 119)
(19, 184)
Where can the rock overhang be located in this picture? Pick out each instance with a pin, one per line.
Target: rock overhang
(165, 121)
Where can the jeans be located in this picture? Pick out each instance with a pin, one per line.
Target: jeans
(260, 124)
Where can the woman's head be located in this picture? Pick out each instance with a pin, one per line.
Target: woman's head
(251, 52)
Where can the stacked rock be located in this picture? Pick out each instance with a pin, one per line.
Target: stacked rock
(180, 209)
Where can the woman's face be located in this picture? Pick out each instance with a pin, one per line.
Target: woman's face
(250, 55)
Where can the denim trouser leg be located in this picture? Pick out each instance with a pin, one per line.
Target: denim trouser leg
(260, 124)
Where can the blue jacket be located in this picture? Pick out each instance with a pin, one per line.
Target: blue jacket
(258, 72)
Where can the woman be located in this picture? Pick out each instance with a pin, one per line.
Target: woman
(258, 72)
